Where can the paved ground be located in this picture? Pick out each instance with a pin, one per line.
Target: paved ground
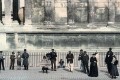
(60, 74)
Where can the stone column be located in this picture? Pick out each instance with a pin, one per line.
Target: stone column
(61, 12)
(111, 6)
(15, 12)
(92, 12)
(49, 12)
(15, 9)
(28, 8)
(8, 8)
(70, 11)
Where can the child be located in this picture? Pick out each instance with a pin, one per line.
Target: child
(45, 64)
(19, 61)
(114, 70)
(61, 64)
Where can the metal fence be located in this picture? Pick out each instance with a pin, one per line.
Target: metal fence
(36, 57)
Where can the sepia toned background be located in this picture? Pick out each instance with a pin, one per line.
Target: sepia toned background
(60, 24)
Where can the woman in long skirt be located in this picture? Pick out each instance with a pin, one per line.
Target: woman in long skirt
(93, 66)
(19, 61)
(114, 70)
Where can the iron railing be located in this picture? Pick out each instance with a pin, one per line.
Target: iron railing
(36, 57)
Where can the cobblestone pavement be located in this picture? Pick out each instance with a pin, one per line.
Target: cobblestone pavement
(60, 74)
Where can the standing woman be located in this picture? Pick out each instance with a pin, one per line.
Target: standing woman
(12, 61)
(93, 66)
(19, 61)
(114, 70)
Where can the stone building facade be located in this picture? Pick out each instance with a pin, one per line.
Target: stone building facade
(60, 24)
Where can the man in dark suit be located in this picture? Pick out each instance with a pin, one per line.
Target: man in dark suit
(12, 61)
(108, 59)
(25, 57)
(70, 58)
(85, 60)
(53, 56)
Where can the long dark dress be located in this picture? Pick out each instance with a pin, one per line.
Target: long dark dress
(93, 67)
(114, 70)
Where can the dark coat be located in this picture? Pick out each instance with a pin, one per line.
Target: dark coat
(70, 58)
(53, 55)
(12, 57)
(93, 67)
(114, 70)
(108, 58)
(25, 57)
(80, 56)
(85, 58)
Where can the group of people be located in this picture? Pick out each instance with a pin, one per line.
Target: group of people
(93, 71)
(19, 58)
(111, 62)
(50, 60)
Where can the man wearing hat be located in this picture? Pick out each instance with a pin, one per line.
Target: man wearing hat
(12, 61)
(85, 60)
(79, 58)
(108, 59)
(1, 60)
(70, 58)
(25, 57)
(53, 56)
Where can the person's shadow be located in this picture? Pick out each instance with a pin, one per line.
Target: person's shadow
(79, 70)
(66, 70)
(106, 73)
(42, 72)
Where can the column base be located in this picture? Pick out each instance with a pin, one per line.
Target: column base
(28, 22)
(91, 25)
(15, 23)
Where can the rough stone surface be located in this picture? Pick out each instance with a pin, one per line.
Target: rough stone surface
(60, 74)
